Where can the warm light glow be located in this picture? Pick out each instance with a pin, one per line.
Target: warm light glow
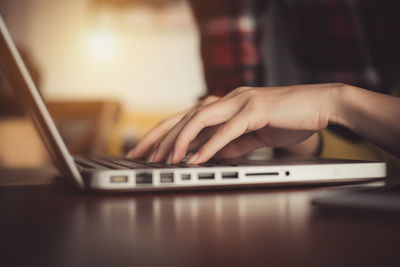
(101, 44)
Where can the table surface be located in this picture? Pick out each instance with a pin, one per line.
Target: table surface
(54, 225)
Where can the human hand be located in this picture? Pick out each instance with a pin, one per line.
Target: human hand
(150, 141)
(246, 119)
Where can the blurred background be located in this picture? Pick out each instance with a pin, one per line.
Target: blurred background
(108, 69)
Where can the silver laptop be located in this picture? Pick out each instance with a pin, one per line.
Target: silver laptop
(120, 174)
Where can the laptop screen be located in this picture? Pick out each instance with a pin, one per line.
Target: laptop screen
(28, 95)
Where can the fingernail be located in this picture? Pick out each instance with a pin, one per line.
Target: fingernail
(187, 157)
(128, 155)
(193, 158)
(131, 154)
(169, 158)
(151, 157)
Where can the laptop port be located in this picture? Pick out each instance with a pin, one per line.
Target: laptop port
(144, 178)
(185, 176)
(119, 179)
(230, 175)
(167, 177)
(206, 176)
(254, 174)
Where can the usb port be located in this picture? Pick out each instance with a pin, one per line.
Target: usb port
(230, 175)
(144, 178)
(167, 177)
(119, 179)
(185, 176)
(206, 176)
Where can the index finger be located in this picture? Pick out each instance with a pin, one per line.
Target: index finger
(228, 132)
(153, 136)
(213, 114)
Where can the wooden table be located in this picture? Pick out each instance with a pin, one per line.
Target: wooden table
(54, 225)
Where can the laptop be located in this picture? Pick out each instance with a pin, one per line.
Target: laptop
(120, 174)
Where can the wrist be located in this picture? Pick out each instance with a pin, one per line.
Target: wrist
(340, 102)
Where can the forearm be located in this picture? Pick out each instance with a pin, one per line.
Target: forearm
(375, 117)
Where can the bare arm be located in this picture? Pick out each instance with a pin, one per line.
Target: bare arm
(374, 116)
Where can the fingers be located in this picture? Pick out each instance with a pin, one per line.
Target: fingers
(229, 131)
(240, 146)
(162, 149)
(150, 140)
(209, 99)
(153, 137)
(208, 115)
(238, 90)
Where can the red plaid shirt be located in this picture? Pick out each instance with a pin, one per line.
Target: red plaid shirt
(349, 41)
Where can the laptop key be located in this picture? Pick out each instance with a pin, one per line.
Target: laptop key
(106, 163)
(157, 165)
(131, 164)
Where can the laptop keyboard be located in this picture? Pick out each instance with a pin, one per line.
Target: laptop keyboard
(123, 163)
